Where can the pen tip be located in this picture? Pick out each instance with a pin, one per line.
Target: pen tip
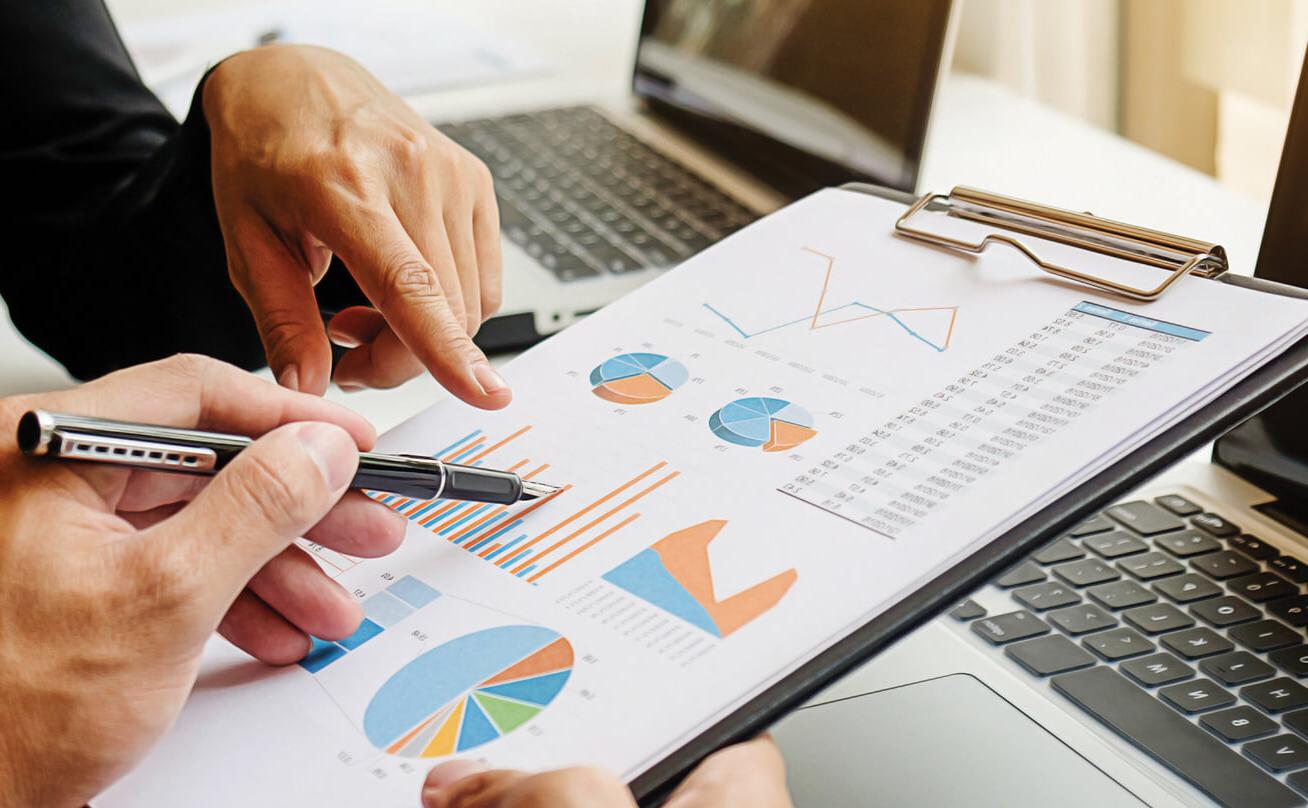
(534, 490)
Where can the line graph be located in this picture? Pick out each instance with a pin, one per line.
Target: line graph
(942, 318)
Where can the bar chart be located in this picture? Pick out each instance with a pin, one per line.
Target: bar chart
(527, 540)
(381, 611)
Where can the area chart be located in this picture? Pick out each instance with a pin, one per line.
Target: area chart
(675, 575)
(468, 691)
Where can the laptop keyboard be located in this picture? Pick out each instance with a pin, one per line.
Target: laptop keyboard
(1181, 633)
(585, 198)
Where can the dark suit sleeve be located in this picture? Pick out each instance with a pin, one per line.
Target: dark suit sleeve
(111, 250)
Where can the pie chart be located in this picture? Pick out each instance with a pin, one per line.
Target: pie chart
(772, 424)
(637, 378)
(468, 691)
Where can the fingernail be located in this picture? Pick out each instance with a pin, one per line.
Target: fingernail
(343, 339)
(349, 388)
(449, 773)
(490, 381)
(289, 377)
(332, 451)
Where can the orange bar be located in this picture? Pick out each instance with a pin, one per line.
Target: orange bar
(583, 548)
(533, 506)
(592, 506)
(456, 452)
(556, 545)
(492, 548)
(436, 514)
(487, 451)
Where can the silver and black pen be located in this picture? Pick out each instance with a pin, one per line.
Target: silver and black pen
(192, 451)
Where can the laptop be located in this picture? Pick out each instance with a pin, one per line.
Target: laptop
(1155, 655)
(737, 107)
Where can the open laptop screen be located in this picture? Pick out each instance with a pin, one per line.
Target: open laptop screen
(804, 93)
(1271, 449)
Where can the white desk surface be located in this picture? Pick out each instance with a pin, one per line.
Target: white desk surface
(982, 135)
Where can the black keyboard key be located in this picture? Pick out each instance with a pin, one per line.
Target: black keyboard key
(1058, 552)
(1157, 669)
(1225, 611)
(1279, 754)
(1178, 505)
(1293, 610)
(1005, 628)
(1197, 643)
(1157, 618)
(1050, 655)
(1291, 568)
(1277, 695)
(1095, 524)
(1236, 668)
(1262, 586)
(1293, 660)
(1021, 575)
(1188, 588)
(1121, 595)
(614, 259)
(1297, 721)
(1151, 566)
(1215, 525)
(1115, 544)
(967, 610)
(1174, 741)
(1049, 595)
(1144, 518)
(1265, 635)
(1224, 564)
(1299, 780)
(1196, 696)
(1188, 543)
(1118, 643)
(1254, 547)
(1081, 619)
(1086, 572)
(1238, 724)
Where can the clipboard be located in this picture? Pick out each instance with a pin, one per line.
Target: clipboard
(1177, 256)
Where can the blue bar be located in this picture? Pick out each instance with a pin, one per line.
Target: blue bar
(388, 499)
(503, 529)
(418, 514)
(506, 547)
(527, 570)
(470, 515)
(386, 609)
(483, 528)
(413, 592)
(464, 453)
(402, 504)
(1140, 321)
(321, 654)
(366, 631)
(512, 561)
(445, 517)
(474, 433)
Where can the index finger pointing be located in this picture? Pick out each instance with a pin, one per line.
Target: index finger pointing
(405, 288)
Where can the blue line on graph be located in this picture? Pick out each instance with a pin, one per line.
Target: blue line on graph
(750, 335)
(474, 433)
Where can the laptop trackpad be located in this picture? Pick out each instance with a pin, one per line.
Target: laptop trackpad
(946, 741)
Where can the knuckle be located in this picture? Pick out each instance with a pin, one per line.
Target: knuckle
(411, 148)
(280, 330)
(410, 279)
(263, 484)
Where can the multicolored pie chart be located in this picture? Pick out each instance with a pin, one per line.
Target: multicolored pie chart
(637, 378)
(772, 424)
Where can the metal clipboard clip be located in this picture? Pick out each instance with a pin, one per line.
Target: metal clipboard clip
(1178, 255)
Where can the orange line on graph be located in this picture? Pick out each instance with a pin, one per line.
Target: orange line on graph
(592, 506)
(493, 447)
(950, 333)
(583, 548)
(533, 506)
(574, 534)
(456, 452)
(826, 281)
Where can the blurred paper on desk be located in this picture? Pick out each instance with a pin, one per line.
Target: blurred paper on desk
(410, 47)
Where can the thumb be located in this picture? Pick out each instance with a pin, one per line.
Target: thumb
(273, 492)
